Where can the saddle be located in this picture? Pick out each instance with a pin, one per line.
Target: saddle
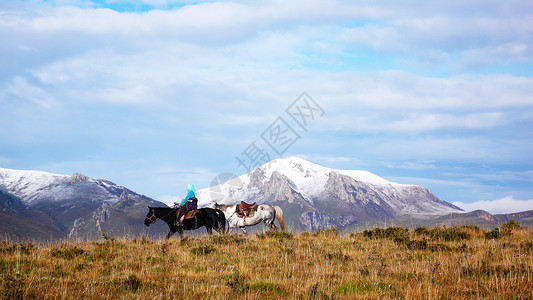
(191, 213)
(246, 210)
(190, 208)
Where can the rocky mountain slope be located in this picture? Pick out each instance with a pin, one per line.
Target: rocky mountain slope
(314, 196)
(46, 206)
(478, 217)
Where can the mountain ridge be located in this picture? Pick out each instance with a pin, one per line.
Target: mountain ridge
(322, 197)
(71, 206)
(45, 206)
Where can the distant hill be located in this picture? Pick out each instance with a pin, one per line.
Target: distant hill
(481, 218)
(18, 220)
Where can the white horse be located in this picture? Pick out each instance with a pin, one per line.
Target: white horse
(265, 212)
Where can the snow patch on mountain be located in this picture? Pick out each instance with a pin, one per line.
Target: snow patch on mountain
(25, 184)
(319, 197)
(36, 186)
(309, 180)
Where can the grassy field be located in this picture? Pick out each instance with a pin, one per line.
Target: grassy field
(439, 263)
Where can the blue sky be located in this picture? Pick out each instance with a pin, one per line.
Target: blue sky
(154, 94)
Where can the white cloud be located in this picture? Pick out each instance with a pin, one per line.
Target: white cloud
(426, 182)
(499, 206)
(329, 160)
(4, 160)
(427, 121)
(169, 199)
(21, 90)
(178, 180)
(219, 22)
(411, 165)
(221, 71)
(198, 176)
(473, 40)
(507, 176)
(502, 53)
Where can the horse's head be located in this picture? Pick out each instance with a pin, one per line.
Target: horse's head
(150, 217)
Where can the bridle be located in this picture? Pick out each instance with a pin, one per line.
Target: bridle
(152, 218)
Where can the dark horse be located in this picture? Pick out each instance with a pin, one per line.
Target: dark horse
(208, 217)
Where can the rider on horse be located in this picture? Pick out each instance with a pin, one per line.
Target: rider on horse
(188, 203)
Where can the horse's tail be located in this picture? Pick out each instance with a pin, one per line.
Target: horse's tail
(221, 220)
(279, 216)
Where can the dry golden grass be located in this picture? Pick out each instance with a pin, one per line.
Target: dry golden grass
(274, 265)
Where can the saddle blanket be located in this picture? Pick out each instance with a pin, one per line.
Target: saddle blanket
(245, 211)
(190, 214)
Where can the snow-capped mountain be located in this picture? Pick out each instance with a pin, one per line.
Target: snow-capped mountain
(34, 187)
(75, 205)
(315, 196)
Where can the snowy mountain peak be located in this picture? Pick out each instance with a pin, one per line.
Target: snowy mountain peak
(297, 166)
(78, 178)
(24, 184)
(323, 196)
(36, 186)
(306, 178)
(8, 175)
(311, 178)
(294, 164)
(74, 206)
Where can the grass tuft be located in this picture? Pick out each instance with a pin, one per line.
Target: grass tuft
(66, 253)
(132, 283)
(331, 231)
(228, 239)
(13, 287)
(203, 250)
(237, 282)
(357, 287)
(268, 287)
(281, 235)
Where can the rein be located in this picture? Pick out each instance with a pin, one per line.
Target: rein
(154, 218)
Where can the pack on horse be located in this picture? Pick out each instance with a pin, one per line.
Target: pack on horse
(208, 217)
(244, 214)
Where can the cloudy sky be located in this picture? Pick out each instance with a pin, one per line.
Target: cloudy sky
(154, 94)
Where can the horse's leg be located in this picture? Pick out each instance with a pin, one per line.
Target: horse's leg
(270, 224)
(232, 224)
(172, 229)
(209, 230)
(243, 229)
(170, 233)
(273, 226)
(215, 227)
